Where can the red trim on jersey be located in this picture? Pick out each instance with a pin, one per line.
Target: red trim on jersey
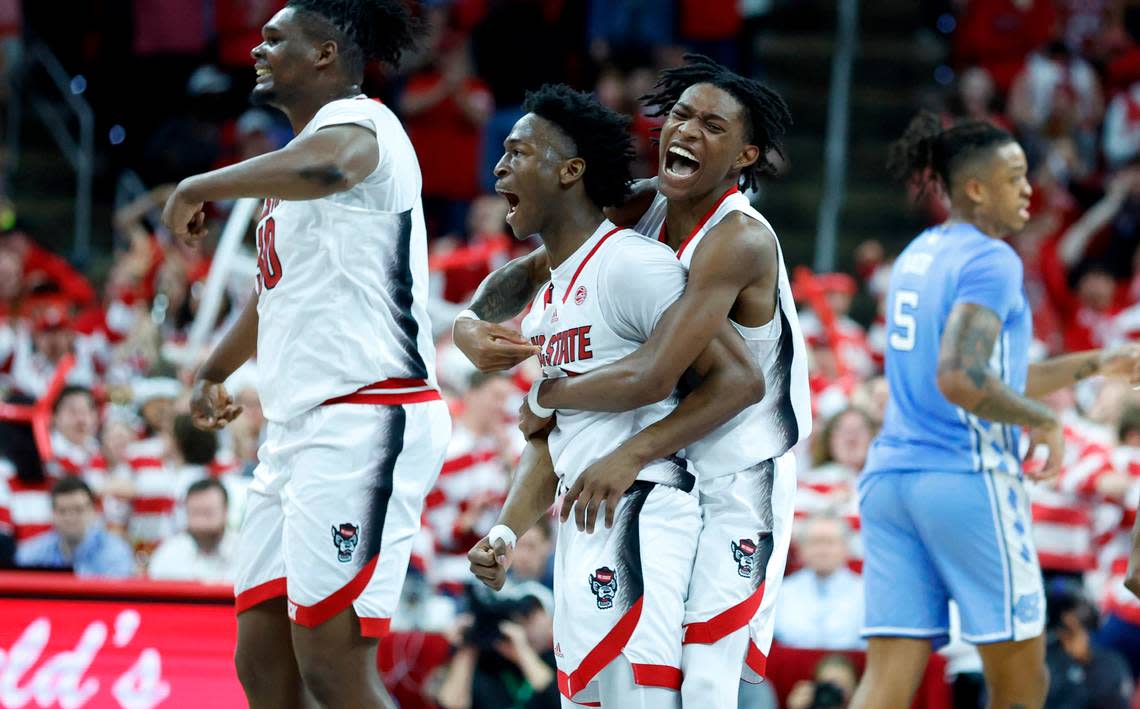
(375, 627)
(590, 255)
(370, 393)
(319, 612)
(413, 397)
(602, 654)
(708, 215)
(548, 297)
(259, 594)
(756, 660)
(656, 676)
(720, 625)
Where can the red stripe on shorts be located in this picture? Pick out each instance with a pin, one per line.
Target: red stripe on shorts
(319, 612)
(756, 660)
(375, 627)
(656, 676)
(720, 625)
(259, 594)
(602, 654)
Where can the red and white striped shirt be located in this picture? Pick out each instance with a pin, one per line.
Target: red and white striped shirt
(830, 489)
(1063, 508)
(28, 505)
(1113, 559)
(462, 507)
(81, 460)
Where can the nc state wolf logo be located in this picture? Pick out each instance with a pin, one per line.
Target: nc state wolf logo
(603, 582)
(743, 553)
(345, 538)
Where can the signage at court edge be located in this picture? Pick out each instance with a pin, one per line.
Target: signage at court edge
(115, 655)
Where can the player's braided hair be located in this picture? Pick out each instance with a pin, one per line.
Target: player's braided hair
(600, 136)
(766, 115)
(928, 152)
(367, 29)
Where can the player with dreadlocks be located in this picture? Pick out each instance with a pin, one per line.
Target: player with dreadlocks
(944, 510)
(345, 361)
(620, 592)
(719, 130)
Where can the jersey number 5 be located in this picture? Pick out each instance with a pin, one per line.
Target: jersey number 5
(268, 264)
(903, 324)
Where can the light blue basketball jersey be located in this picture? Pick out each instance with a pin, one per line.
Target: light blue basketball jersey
(922, 431)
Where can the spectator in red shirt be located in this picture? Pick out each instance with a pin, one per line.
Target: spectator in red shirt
(445, 107)
(40, 271)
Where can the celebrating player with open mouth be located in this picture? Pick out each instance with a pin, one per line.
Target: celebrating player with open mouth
(620, 590)
(345, 360)
(718, 132)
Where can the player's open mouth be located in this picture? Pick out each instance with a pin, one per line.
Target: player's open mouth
(263, 72)
(512, 202)
(680, 162)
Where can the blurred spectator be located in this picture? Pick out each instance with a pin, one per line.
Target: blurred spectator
(838, 290)
(1120, 630)
(506, 657)
(205, 551)
(1082, 675)
(238, 26)
(1122, 128)
(831, 686)
(533, 558)
(75, 449)
(1063, 507)
(1056, 105)
(445, 107)
(839, 451)
(821, 605)
(473, 482)
(38, 271)
(78, 539)
(1084, 290)
(38, 353)
(976, 98)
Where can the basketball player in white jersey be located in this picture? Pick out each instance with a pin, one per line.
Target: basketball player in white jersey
(345, 361)
(617, 626)
(719, 127)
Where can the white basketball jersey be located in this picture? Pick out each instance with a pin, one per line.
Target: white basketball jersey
(342, 282)
(782, 418)
(600, 305)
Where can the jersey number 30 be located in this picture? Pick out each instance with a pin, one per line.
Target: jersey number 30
(903, 324)
(268, 264)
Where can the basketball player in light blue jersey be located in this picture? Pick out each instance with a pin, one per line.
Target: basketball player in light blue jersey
(942, 502)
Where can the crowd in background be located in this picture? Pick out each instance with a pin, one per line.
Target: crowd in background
(123, 485)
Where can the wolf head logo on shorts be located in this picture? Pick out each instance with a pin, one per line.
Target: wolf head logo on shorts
(345, 538)
(603, 582)
(743, 553)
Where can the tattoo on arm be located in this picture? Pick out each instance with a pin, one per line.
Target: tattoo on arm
(505, 292)
(967, 345)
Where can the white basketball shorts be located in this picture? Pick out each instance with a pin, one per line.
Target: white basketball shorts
(743, 548)
(622, 590)
(334, 507)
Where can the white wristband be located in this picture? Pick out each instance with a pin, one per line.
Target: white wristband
(532, 401)
(503, 532)
(467, 315)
